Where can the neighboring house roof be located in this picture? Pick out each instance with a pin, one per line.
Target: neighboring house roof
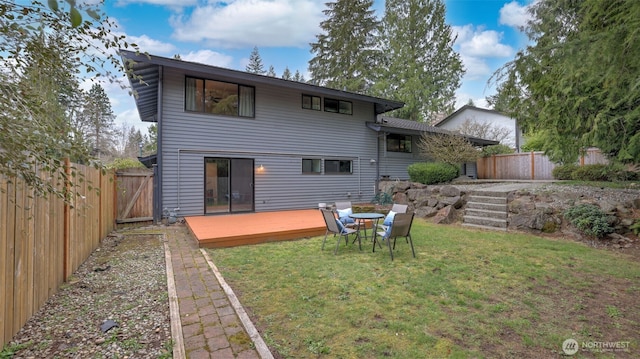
(147, 68)
(395, 125)
(464, 108)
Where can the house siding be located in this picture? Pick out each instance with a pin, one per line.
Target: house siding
(496, 119)
(394, 164)
(280, 135)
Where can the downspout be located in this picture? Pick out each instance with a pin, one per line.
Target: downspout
(157, 215)
(359, 178)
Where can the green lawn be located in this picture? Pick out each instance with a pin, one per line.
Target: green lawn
(467, 294)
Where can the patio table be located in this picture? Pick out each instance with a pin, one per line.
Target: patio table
(360, 219)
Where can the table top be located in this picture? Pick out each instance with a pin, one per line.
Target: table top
(366, 215)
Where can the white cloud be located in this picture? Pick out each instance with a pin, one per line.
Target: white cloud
(515, 15)
(476, 68)
(172, 3)
(481, 43)
(486, 43)
(463, 99)
(475, 46)
(248, 23)
(130, 118)
(145, 43)
(208, 57)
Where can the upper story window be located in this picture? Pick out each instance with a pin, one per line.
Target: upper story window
(398, 143)
(338, 166)
(220, 98)
(338, 106)
(311, 102)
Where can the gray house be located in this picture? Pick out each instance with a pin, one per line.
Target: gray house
(399, 147)
(231, 141)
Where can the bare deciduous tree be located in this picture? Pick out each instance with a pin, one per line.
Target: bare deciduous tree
(484, 130)
(452, 149)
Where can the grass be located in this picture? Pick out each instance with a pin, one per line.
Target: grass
(467, 294)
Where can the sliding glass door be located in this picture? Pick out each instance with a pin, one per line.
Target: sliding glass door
(228, 185)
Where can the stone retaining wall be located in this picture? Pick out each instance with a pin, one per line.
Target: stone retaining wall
(527, 211)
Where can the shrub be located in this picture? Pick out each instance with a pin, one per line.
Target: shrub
(432, 172)
(123, 163)
(595, 172)
(496, 150)
(563, 172)
(589, 219)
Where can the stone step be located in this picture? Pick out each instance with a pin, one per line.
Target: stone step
(486, 213)
(483, 221)
(484, 227)
(490, 193)
(487, 199)
(487, 206)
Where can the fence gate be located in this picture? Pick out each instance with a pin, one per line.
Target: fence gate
(134, 189)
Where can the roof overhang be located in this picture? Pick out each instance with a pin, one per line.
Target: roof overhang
(144, 76)
(408, 127)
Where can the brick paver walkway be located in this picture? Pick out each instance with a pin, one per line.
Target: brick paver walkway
(211, 327)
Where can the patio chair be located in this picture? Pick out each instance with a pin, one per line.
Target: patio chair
(396, 208)
(337, 228)
(344, 210)
(401, 227)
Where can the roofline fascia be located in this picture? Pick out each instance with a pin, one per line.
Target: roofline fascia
(390, 105)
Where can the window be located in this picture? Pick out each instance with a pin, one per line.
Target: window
(311, 165)
(337, 166)
(338, 106)
(398, 143)
(311, 102)
(220, 98)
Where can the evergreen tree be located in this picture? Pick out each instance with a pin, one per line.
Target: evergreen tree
(422, 68)
(298, 77)
(43, 52)
(152, 144)
(271, 72)
(287, 74)
(255, 65)
(99, 119)
(346, 53)
(577, 84)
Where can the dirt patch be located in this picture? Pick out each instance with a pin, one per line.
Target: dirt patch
(114, 306)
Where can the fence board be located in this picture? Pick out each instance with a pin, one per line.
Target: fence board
(4, 248)
(33, 254)
(527, 166)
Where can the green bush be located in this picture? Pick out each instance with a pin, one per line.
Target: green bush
(589, 219)
(564, 172)
(595, 172)
(123, 163)
(432, 172)
(496, 150)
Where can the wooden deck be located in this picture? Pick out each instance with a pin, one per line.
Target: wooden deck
(252, 228)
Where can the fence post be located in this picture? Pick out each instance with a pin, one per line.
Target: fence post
(533, 166)
(66, 219)
(495, 167)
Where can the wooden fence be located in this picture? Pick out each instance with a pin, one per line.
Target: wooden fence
(527, 166)
(43, 241)
(135, 195)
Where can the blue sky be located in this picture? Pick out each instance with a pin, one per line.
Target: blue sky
(223, 33)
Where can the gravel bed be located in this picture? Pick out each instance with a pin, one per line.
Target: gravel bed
(123, 283)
